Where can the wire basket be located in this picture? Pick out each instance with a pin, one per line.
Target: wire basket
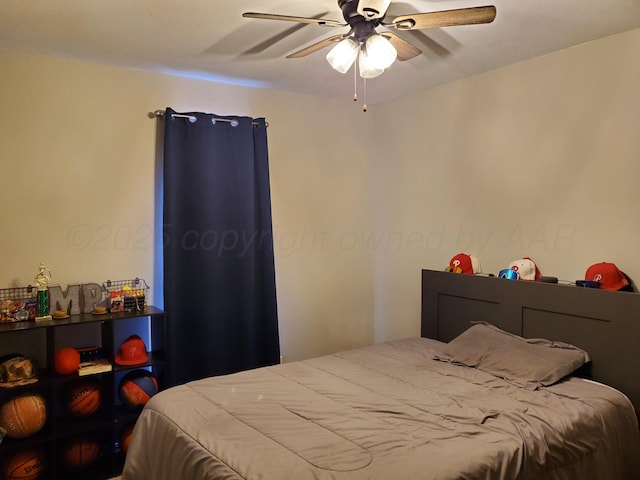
(15, 301)
(126, 295)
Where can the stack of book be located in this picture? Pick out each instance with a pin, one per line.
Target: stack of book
(100, 365)
(92, 360)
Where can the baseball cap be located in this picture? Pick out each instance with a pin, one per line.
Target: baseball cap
(526, 268)
(132, 351)
(463, 263)
(608, 275)
(17, 370)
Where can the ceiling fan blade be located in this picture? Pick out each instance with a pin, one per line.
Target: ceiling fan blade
(316, 46)
(445, 18)
(269, 42)
(290, 18)
(405, 49)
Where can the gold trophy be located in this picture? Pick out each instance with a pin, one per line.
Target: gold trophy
(42, 280)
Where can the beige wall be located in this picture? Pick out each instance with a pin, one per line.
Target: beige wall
(78, 155)
(538, 159)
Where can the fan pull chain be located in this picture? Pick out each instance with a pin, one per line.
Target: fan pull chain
(364, 107)
(355, 82)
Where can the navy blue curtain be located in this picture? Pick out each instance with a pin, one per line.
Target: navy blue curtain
(219, 278)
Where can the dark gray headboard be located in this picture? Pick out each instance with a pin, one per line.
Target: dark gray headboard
(606, 324)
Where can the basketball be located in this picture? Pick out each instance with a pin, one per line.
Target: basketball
(125, 438)
(67, 361)
(79, 453)
(83, 398)
(137, 387)
(23, 416)
(25, 464)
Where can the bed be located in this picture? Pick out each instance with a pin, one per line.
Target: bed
(490, 391)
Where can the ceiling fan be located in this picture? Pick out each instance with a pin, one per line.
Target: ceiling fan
(376, 51)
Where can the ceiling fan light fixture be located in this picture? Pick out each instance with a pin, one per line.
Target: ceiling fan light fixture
(367, 67)
(342, 56)
(380, 51)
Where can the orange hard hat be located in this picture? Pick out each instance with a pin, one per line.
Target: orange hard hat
(132, 351)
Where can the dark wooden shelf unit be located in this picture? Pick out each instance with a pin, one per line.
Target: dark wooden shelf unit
(107, 424)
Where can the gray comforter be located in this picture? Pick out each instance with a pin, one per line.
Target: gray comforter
(389, 411)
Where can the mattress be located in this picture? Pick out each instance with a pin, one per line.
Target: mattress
(387, 411)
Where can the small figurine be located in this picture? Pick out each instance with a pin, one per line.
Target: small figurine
(43, 277)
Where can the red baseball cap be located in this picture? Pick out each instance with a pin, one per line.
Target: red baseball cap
(609, 276)
(463, 263)
(132, 351)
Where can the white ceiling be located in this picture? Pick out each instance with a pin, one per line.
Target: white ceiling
(210, 38)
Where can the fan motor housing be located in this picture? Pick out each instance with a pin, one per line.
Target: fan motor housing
(349, 10)
(371, 9)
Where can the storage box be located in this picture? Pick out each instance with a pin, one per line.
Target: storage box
(15, 301)
(126, 295)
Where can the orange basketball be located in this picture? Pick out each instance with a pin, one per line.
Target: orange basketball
(80, 452)
(25, 464)
(137, 387)
(23, 416)
(67, 361)
(83, 398)
(125, 438)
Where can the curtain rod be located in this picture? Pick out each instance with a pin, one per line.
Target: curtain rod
(192, 119)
